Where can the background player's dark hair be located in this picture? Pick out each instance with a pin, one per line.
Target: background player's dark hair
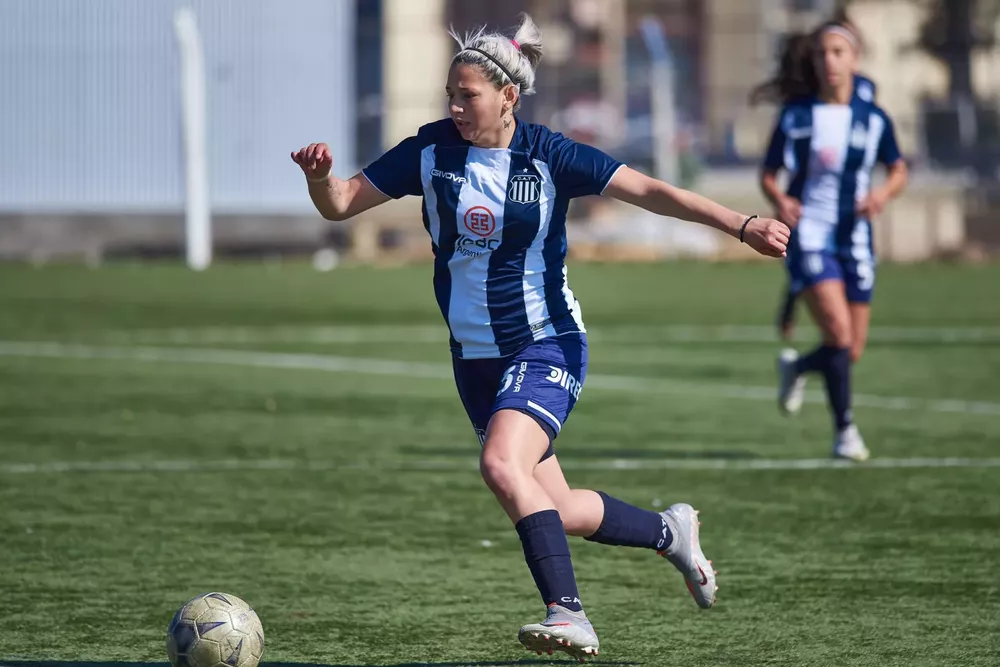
(520, 60)
(796, 76)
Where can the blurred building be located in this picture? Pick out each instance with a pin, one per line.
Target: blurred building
(91, 129)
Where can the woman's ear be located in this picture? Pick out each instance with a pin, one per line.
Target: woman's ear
(510, 95)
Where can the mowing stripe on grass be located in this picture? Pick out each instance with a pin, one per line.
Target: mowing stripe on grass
(471, 465)
(411, 369)
(624, 334)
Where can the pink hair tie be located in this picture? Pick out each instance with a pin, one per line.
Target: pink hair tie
(516, 45)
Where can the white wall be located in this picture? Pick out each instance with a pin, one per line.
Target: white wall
(90, 116)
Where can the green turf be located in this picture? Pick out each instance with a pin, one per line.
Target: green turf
(370, 540)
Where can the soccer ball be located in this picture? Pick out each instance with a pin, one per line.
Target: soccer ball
(215, 630)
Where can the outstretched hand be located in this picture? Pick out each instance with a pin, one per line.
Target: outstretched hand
(767, 236)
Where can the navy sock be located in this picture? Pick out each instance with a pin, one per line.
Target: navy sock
(626, 525)
(838, 387)
(816, 361)
(546, 551)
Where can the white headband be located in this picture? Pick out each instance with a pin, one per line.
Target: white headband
(843, 32)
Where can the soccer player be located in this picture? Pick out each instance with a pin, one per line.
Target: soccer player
(829, 137)
(495, 194)
(865, 89)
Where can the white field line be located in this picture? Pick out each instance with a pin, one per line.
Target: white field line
(411, 369)
(471, 465)
(434, 334)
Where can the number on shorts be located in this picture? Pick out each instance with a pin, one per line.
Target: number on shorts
(814, 264)
(866, 276)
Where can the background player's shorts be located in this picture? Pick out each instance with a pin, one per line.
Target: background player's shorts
(806, 269)
(543, 380)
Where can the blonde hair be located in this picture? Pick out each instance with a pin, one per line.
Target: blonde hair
(504, 60)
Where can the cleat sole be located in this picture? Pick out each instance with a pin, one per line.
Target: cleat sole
(547, 644)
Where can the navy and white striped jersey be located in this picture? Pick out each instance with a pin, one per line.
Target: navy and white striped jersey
(497, 222)
(830, 151)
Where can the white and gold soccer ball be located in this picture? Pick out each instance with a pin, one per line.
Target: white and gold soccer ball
(215, 630)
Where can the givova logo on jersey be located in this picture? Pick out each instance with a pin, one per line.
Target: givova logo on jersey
(565, 379)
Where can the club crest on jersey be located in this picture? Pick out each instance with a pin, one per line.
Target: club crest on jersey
(525, 189)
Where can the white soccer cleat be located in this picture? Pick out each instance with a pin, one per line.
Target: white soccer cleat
(848, 444)
(791, 385)
(686, 555)
(562, 630)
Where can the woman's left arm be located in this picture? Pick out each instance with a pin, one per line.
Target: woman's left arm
(896, 180)
(766, 236)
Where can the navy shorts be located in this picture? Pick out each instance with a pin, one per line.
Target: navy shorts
(543, 380)
(806, 269)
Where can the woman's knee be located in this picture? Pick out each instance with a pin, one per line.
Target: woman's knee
(504, 469)
(499, 470)
(837, 332)
(514, 444)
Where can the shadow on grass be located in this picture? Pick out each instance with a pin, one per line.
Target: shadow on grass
(487, 663)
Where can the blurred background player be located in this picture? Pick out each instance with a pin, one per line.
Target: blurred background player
(495, 193)
(863, 88)
(829, 136)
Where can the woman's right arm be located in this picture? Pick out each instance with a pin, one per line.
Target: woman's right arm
(769, 186)
(788, 209)
(334, 198)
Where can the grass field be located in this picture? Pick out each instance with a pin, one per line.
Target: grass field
(294, 438)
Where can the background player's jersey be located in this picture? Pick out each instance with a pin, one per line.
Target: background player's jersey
(830, 151)
(497, 222)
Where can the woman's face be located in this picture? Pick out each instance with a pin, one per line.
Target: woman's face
(836, 60)
(475, 104)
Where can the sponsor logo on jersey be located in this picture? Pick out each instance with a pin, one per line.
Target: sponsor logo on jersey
(541, 324)
(828, 157)
(448, 176)
(564, 379)
(480, 223)
(470, 247)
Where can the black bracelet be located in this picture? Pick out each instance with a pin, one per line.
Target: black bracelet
(744, 227)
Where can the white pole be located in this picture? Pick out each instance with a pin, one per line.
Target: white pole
(198, 221)
(662, 101)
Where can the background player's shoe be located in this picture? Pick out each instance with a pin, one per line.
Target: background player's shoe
(848, 445)
(791, 385)
(686, 555)
(562, 630)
